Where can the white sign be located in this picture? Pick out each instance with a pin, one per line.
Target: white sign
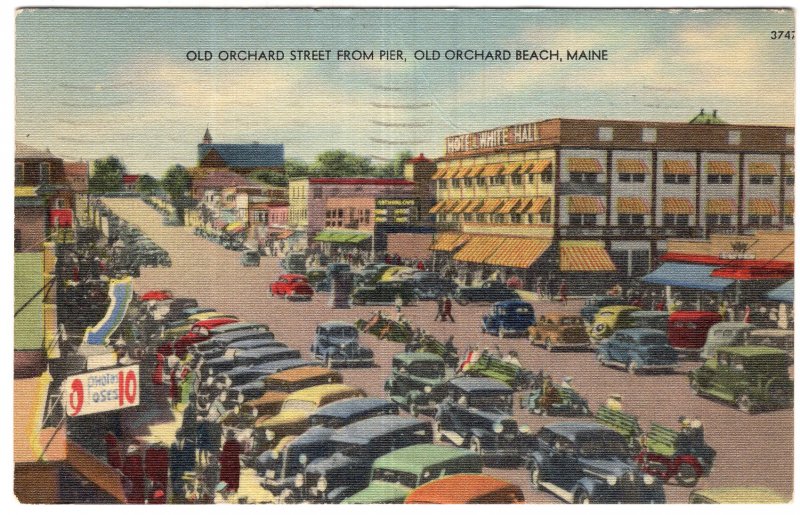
(102, 390)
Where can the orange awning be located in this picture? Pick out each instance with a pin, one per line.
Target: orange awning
(582, 205)
(678, 167)
(762, 206)
(584, 165)
(460, 206)
(518, 252)
(461, 172)
(450, 172)
(762, 169)
(585, 256)
(490, 205)
(492, 170)
(478, 248)
(720, 206)
(438, 206)
(538, 205)
(632, 206)
(632, 166)
(788, 207)
(720, 168)
(512, 168)
(677, 206)
(473, 206)
(448, 241)
(508, 205)
(539, 166)
(475, 171)
(440, 170)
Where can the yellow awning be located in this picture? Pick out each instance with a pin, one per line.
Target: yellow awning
(538, 205)
(584, 165)
(440, 170)
(539, 166)
(678, 167)
(585, 256)
(25, 191)
(438, 206)
(720, 168)
(459, 206)
(508, 205)
(762, 169)
(788, 207)
(518, 252)
(473, 206)
(448, 241)
(632, 206)
(512, 168)
(475, 171)
(762, 206)
(583, 205)
(490, 205)
(492, 170)
(632, 166)
(677, 206)
(450, 172)
(478, 248)
(462, 172)
(720, 206)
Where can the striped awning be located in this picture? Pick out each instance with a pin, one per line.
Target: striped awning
(678, 167)
(473, 206)
(490, 205)
(492, 170)
(762, 169)
(788, 168)
(632, 166)
(440, 171)
(450, 172)
(762, 206)
(720, 206)
(788, 207)
(478, 248)
(438, 206)
(584, 165)
(632, 206)
(512, 168)
(585, 256)
(475, 171)
(583, 205)
(518, 252)
(720, 168)
(448, 241)
(508, 205)
(538, 166)
(539, 204)
(459, 206)
(461, 172)
(677, 206)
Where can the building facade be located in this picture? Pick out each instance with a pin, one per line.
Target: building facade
(241, 158)
(298, 204)
(604, 195)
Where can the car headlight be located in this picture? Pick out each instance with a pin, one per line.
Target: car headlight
(322, 484)
(298, 480)
(427, 389)
(648, 479)
(611, 480)
(497, 427)
(269, 434)
(524, 429)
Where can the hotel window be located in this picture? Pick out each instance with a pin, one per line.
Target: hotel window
(467, 217)
(516, 179)
(544, 217)
(584, 178)
(672, 178)
(723, 220)
(455, 183)
(480, 218)
(442, 184)
(630, 219)
(498, 218)
(19, 173)
(759, 220)
(714, 178)
(762, 179)
(547, 177)
(516, 218)
(44, 172)
(788, 180)
(481, 181)
(790, 139)
(497, 180)
(676, 220)
(468, 182)
(454, 217)
(734, 137)
(631, 177)
(649, 135)
(605, 134)
(578, 219)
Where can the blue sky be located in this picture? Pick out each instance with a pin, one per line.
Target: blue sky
(90, 83)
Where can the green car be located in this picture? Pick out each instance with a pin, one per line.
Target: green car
(418, 382)
(384, 293)
(750, 376)
(396, 474)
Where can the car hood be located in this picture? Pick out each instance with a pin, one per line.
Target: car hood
(285, 418)
(268, 400)
(608, 467)
(340, 341)
(379, 492)
(493, 415)
(326, 466)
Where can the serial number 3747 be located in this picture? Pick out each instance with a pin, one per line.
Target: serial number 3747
(781, 34)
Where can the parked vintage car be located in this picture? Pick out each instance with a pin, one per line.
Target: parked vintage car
(776, 338)
(182, 327)
(243, 357)
(249, 379)
(585, 462)
(338, 476)
(318, 279)
(396, 474)
(724, 334)
(595, 303)
(347, 411)
(609, 319)
(752, 377)
(687, 330)
(430, 285)
(384, 293)
(637, 350)
(250, 258)
(559, 331)
(198, 332)
(293, 417)
(490, 291)
(467, 489)
(477, 414)
(214, 349)
(221, 336)
(509, 318)
(294, 263)
(336, 344)
(292, 287)
(737, 495)
(683, 454)
(279, 386)
(645, 319)
(417, 382)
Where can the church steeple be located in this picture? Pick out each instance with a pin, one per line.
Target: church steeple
(207, 137)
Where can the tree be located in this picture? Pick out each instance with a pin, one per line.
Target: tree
(176, 183)
(296, 168)
(339, 163)
(394, 168)
(272, 178)
(107, 176)
(147, 185)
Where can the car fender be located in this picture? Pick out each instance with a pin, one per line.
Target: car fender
(592, 485)
(537, 458)
(637, 358)
(478, 432)
(686, 458)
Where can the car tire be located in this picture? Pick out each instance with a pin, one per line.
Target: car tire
(536, 476)
(582, 497)
(686, 475)
(632, 367)
(548, 344)
(475, 445)
(744, 403)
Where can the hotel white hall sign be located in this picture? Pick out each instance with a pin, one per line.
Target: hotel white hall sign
(500, 137)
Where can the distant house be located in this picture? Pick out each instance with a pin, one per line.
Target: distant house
(129, 182)
(241, 158)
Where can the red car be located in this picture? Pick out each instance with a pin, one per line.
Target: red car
(687, 330)
(292, 286)
(198, 333)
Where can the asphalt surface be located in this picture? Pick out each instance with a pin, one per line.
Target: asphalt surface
(752, 450)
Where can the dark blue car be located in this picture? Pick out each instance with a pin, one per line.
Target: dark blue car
(509, 318)
(253, 342)
(249, 379)
(336, 343)
(243, 357)
(638, 349)
(585, 462)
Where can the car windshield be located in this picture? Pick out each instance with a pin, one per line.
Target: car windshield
(299, 405)
(428, 369)
(488, 401)
(602, 444)
(394, 476)
(341, 332)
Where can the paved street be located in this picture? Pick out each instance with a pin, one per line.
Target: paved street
(751, 449)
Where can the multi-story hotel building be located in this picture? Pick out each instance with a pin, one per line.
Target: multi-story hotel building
(568, 196)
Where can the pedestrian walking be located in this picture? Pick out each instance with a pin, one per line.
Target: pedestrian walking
(562, 291)
(447, 312)
(230, 467)
(439, 309)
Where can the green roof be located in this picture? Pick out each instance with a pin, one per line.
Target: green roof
(416, 458)
(342, 236)
(751, 351)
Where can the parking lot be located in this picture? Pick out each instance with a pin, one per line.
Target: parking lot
(751, 449)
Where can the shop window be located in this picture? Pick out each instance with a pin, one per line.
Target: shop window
(454, 217)
(720, 178)
(788, 180)
(759, 220)
(468, 182)
(467, 217)
(547, 177)
(631, 177)
(544, 217)
(367, 213)
(719, 220)
(788, 219)
(340, 213)
(676, 220)
(734, 137)
(498, 218)
(790, 139)
(672, 178)
(44, 172)
(583, 178)
(516, 218)
(762, 179)
(481, 181)
(630, 219)
(317, 192)
(586, 220)
(497, 180)
(480, 217)
(516, 180)
(649, 135)
(442, 184)
(605, 134)
(455, 183)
